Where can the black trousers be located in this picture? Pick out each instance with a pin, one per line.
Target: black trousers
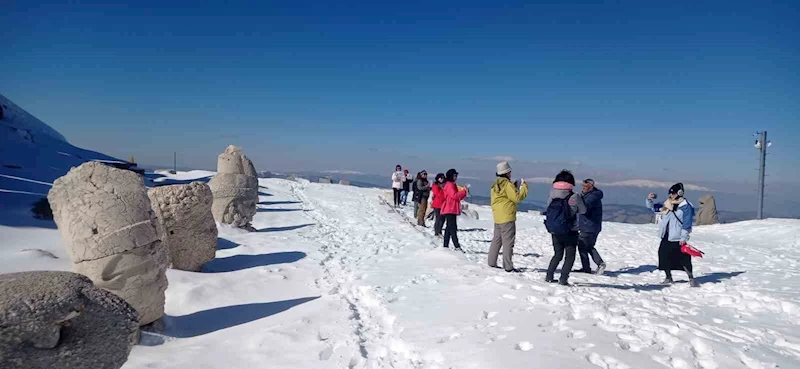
(586, 242)
(396, 196)
(564, 244)
(451, 231)
(438, 223)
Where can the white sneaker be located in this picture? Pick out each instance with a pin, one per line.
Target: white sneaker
(601, 269)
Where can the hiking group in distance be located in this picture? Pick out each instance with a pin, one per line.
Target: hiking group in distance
(574, 220)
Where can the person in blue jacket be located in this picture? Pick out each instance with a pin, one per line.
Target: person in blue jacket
(674, 230)
(590, 225)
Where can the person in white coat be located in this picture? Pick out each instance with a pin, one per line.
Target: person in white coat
(398, 178)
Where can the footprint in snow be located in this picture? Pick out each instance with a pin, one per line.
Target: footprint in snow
(582, 347)
(525, 346)
(578, 335)
(606, 362)
(489, 314)
(509, 297)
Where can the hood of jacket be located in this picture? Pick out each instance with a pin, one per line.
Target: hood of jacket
(595, 192)
(559, 194)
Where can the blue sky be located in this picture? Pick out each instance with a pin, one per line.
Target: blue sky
(653, 90)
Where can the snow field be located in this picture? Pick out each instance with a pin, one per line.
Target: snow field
(336, 279)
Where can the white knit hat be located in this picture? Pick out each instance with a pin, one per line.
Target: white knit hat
(503, 168)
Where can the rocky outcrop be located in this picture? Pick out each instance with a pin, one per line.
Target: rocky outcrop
(325, 180)
(61, 320)
(344, 182)
(707, 214)
(187, 226)
(235, 189)
(112, 234)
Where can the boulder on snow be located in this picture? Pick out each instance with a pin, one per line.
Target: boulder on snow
(188, 228)
(325, 180)
(112, 234)
(344, 182)
(707, 214)
(234, 188)
(61, 320)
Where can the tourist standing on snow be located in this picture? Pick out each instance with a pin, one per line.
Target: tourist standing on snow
(677, 215)
(563, 207)
(590, 225)
(422, 191)
(451, 208)
(504, 199)
(397, 184)
(406, 187)
(437, 203)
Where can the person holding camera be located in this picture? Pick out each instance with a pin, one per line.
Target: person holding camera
(674, 230)
(505, 196)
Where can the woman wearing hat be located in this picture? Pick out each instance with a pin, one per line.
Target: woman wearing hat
(451, 208)
(504, 199)
(438, 201)
(674, 229)
(398, 178)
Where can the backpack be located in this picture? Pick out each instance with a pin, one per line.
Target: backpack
(558, 219)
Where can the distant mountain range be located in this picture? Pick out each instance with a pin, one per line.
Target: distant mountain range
(623, 201)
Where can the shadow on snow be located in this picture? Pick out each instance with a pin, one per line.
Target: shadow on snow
(212, 320)
(223, 244)
(281, 229)
(641, 269)
(278, 202)
(264, 210)
(241, 262)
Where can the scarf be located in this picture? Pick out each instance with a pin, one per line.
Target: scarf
(670, 204)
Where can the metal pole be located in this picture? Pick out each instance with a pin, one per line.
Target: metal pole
(175, 161)
(761, 173)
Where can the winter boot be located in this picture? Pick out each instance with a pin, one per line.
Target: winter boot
(693, 283)
(667, 281)
(601, 269)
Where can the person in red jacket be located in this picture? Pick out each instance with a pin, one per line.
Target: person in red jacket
(451, 208)
(436, 204)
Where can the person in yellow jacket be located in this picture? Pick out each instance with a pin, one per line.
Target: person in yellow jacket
(504, 198)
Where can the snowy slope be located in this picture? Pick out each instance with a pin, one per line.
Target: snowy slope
(32, 156)
(334, 279)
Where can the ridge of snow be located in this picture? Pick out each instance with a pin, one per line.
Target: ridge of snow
(18, 118)
(646, 183)
(351, 172)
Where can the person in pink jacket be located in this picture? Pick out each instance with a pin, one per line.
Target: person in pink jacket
(451, 208)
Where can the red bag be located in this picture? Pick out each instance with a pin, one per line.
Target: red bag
(691, 250)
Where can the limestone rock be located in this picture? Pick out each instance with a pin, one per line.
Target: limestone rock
(235, 189)
(112, 234)
(61, 320)
(325, 180)
(188, 228)
(707, 214)
(344, 182)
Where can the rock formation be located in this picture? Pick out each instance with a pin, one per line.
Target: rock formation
(187, 226)
(707, 214)
(235, 189)
(61, 320)
(112, 234)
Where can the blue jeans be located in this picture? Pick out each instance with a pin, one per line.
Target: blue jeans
(404, 197)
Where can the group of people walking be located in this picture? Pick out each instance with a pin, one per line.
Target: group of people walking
(446, 202)
(574, 220)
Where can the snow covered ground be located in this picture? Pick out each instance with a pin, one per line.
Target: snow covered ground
(335, 279)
